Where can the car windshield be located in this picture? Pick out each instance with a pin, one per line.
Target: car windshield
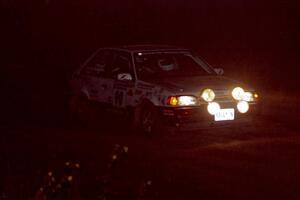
(157, 65)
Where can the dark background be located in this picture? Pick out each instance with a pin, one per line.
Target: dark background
(255, 41)
(43, 40)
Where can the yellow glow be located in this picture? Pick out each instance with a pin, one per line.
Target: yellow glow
(213, 108)
(208, 95)
(243, 106)
(255, 95)
(173, 101)
(125, 148)
(70, 178)
(238, 93)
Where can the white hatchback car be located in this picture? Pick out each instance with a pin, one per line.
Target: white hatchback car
(160, 86)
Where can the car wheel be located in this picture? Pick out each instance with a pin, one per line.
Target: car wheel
(147, 120)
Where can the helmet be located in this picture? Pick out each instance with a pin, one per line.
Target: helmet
(166, 64)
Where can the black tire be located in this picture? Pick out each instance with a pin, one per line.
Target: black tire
(147, 120)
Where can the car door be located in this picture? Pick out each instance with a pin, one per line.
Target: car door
(123, 77)
(96, 82)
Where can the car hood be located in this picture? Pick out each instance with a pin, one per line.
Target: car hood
(197, 83)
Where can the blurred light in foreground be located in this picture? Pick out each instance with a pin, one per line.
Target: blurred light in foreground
(125, 148)
(70, 178)
(243, 106)
(77, 165)
(213, 108)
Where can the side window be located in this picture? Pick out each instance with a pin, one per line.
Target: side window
(98, 65)
(121, 64)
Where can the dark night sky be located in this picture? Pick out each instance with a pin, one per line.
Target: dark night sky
(42, 40)
(252, 35)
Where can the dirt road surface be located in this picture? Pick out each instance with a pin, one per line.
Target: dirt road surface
(258, 161)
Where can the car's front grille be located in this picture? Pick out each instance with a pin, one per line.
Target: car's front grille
(223, 96)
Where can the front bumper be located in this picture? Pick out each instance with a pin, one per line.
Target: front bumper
(199, 116)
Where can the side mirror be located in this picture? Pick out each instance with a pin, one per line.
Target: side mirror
(124, 77)
(219, 71)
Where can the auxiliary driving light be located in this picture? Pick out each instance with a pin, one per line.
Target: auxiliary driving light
(238, 93)
(213, 108)
(243, 106)
(208, 95)
(248, 96)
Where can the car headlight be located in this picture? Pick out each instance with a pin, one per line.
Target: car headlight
(186, 100)
(238, 93)
(182, 100)
(208, 95)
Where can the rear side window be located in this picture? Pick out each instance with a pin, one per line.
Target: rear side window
(98, 65)
(121, 64)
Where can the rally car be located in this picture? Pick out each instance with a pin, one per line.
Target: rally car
(160, 86)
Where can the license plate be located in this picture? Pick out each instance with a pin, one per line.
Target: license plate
(224, 114)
